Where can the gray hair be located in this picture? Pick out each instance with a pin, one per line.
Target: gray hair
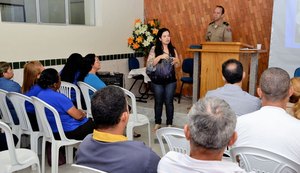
(275, 83)
(212, 123)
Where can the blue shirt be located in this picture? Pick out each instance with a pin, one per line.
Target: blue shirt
(10, 86)
(94, 81)
(33, 91)
(62, 104)
(240, 101)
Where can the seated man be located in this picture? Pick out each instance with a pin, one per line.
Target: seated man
(240, 101)
(210, 130)
(107, 149)
(272, 128)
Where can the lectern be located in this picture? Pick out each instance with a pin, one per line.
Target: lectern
(213, 55)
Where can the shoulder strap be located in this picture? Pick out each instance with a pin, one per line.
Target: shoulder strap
(225, 23)
(211, 22)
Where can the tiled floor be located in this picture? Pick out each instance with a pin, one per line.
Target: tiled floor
(180, 118)
(180, 112)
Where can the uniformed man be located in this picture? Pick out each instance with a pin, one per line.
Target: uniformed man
(218, 30)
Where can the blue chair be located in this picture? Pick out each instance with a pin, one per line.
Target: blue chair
(297, 72)
(187, 67)
(195, 46)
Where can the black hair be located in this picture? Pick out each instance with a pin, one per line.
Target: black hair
(88, 62)
(48, 78)
(232, 75)
(159, 50)
(72, 66)
(107, 106)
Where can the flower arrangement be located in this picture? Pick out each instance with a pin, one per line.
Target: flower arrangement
(143, 36)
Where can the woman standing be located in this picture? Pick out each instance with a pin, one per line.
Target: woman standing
(163, 57)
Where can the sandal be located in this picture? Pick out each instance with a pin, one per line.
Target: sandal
(157, 126)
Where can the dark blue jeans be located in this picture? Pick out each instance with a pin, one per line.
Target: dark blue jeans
(164, 94)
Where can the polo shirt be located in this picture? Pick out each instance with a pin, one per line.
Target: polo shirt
(114, 153)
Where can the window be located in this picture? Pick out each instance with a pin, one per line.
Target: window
(79, 12)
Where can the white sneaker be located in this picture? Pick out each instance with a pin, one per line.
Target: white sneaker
(170, 125)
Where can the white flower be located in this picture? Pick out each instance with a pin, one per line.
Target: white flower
(148, 33)
(137, 32)
(143, 29)
(146, 43)
(150, 38)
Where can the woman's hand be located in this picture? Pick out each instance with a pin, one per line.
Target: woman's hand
(175, 61)
(163, 56)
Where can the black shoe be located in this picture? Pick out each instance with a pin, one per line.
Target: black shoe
(136, 135)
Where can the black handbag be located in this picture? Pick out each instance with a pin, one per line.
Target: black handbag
(163, 71)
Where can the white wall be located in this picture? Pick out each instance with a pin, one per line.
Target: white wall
(114, 24)
(120, 66)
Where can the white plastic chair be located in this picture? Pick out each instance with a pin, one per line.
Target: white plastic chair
(6, 116)
(18, 100)
(259, 160)
(85, 89)
(13, 159)
(66, 88)
(40, 107)
(84, 169)
(136, 119)
(175, 139)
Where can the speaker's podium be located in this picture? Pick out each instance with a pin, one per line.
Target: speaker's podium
(213, 55)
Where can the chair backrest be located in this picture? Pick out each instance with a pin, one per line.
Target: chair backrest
(40, 109)
(259, 160)
(66, 89)
(10, 143)
(297, 72)
(84, 169)
(133, 63)
(18, 100)
(188, 66)
(6, 115)
(85, 89)
(133, 103)
(175, 139)
(195, 46)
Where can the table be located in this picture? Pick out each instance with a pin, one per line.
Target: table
(139, 71)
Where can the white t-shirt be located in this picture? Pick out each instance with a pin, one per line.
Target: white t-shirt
(272, 129)
(182, 163)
